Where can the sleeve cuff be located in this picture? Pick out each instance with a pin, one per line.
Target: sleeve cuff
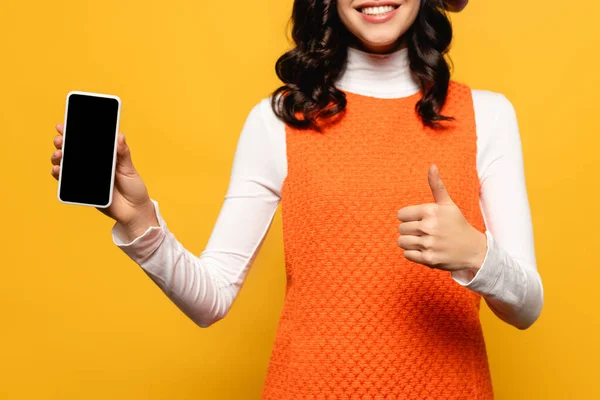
(486, 277)
(144, 245)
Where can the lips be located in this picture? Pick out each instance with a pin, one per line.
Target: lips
(369, 4)
(377, 12)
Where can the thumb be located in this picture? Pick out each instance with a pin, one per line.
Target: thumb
(124, 162)
(440, 194)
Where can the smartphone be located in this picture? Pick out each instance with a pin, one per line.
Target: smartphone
(87, 168)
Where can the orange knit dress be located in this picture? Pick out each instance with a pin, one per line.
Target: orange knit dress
(359, 320)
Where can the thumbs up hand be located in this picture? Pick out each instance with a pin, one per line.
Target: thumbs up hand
(438, 235)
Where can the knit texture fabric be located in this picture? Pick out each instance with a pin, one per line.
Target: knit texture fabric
(359, 320)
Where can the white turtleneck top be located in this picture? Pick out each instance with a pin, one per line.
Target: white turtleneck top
(204, 287)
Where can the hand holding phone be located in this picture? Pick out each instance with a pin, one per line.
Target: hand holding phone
(85, 165)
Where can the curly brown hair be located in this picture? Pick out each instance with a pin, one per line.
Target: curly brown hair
(310, 69)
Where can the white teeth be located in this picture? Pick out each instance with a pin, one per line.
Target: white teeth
(377, 10)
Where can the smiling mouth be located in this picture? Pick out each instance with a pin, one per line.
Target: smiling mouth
(379, 10)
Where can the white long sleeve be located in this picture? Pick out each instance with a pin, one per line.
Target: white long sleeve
(205, 287)
(508, 278)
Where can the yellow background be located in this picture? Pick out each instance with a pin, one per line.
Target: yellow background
(82, 321)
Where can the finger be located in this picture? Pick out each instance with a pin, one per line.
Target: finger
(438, 189)
(55, 171)
(58, 141)
(56, 157)
(411, 228)
(59, 128)
(414, 255)
(410, 242)
(125, 164)
(412, 213)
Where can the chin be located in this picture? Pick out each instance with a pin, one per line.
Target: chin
(379, 42)
(378, 29)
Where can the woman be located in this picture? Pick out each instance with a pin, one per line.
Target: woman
(403, 203)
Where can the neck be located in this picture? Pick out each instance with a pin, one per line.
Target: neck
(385, 75)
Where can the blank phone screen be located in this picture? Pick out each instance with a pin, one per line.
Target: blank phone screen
(88, 149)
